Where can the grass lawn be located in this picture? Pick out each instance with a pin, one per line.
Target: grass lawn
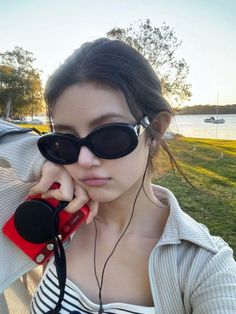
(41, 127)
(211, 167)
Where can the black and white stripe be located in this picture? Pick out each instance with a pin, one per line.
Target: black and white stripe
(46, 298)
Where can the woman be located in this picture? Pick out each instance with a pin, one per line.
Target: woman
(139, 252)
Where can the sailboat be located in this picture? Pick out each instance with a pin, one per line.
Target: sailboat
(219, 120)
(216, 120)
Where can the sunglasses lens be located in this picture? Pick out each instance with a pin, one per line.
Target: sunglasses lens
(114, 141)
(58, 149)
(108, 142)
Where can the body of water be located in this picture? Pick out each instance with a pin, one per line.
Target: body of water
(194, 126)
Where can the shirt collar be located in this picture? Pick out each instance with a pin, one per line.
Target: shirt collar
(180, 226)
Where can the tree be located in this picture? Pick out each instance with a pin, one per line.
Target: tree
(158, 45)
(20, 84)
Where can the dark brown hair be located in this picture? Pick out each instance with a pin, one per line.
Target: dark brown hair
(115, 64)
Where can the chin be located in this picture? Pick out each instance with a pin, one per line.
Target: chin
(102, 196)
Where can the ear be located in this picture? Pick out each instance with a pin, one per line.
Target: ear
(161, 122)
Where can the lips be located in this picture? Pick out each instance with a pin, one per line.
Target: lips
(95, 181)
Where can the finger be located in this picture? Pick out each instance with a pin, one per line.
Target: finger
(54, 173)
(93, 206)
(80, 199)
(75, 204)
(65, 192)
(50, 173)
(42, 186)
(66, 187)
(57, 194)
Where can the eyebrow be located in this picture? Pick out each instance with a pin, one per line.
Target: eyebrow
(94, 123)
(106, 117)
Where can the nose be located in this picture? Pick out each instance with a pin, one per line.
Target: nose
(87, 159)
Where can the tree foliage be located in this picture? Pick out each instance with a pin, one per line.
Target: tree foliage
(20, 84)
(207, 109)
(158, 45)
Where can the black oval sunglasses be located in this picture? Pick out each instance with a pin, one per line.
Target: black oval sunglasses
(110, 141)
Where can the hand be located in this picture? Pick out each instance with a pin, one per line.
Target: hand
(68, 191)
(54, 173)
(81, 198)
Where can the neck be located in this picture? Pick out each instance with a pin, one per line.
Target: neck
(137, 200)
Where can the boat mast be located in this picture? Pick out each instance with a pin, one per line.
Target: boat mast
(217, 104)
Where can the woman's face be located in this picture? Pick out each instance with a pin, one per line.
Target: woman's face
(79, 110)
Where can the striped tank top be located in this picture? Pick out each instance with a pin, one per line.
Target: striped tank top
(47, 294)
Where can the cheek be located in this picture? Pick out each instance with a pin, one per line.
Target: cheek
(71, 169)
(133, 166)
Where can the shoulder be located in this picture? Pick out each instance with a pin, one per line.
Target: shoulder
(19, 151)
(182, 228)
(187, 241)
(192, 263)
(7, 128)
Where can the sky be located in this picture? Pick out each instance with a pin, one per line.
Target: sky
(52, 29)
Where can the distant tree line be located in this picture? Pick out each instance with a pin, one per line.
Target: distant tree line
(206, 109)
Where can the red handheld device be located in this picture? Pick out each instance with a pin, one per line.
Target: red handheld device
(31, 228)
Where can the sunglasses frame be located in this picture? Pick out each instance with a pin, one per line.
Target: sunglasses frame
(132, 130)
